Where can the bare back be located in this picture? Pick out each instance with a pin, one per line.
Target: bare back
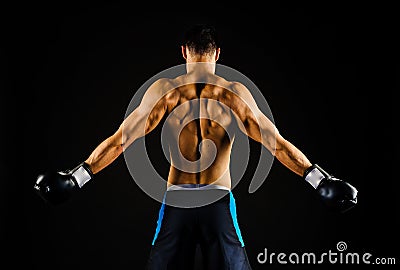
(198, 125)
(203, 113)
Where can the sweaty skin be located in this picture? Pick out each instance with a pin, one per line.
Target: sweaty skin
(199, 116)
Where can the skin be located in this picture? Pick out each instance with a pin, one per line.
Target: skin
(206, 111)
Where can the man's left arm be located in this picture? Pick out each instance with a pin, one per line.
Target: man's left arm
(337, 194)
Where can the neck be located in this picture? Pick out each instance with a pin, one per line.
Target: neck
(200, 67)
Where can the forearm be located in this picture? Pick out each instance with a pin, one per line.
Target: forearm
(105, 153)
(136, 125)
(265, 132)
(291, 157)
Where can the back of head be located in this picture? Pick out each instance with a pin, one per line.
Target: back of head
(201, 39)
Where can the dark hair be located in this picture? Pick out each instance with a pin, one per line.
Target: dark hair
(201, 39)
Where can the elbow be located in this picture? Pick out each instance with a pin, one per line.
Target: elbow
(117, 140)
(119, 149)
(272, 146)
(276, 145)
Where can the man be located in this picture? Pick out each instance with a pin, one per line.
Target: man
(202, 109)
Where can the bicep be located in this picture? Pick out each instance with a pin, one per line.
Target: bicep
(147, 115)
(260, 128)
(255, 123)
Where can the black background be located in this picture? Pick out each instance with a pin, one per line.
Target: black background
(70, 72)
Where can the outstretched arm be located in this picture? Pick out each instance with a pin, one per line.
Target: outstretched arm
(156, 101)
(338, 195)
(261, 129)
(290, 156)
(57, 187)
(106, 152)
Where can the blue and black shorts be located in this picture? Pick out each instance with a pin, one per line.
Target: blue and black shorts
(213, 228)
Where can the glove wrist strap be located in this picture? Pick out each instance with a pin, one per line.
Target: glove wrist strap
(82, 174)
(314, 175)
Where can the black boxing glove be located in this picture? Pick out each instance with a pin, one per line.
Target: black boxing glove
(58, 187)
(337, 194)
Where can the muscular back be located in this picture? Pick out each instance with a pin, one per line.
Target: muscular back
(203, 113)
(198, 138)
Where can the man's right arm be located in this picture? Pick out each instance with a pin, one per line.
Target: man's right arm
(140, 122)
(57, 187)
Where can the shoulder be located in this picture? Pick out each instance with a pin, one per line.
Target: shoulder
(160, 88)
(242, 97)
(238, 90)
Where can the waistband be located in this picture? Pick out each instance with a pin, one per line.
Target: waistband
(196, 187)
(195, 195)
